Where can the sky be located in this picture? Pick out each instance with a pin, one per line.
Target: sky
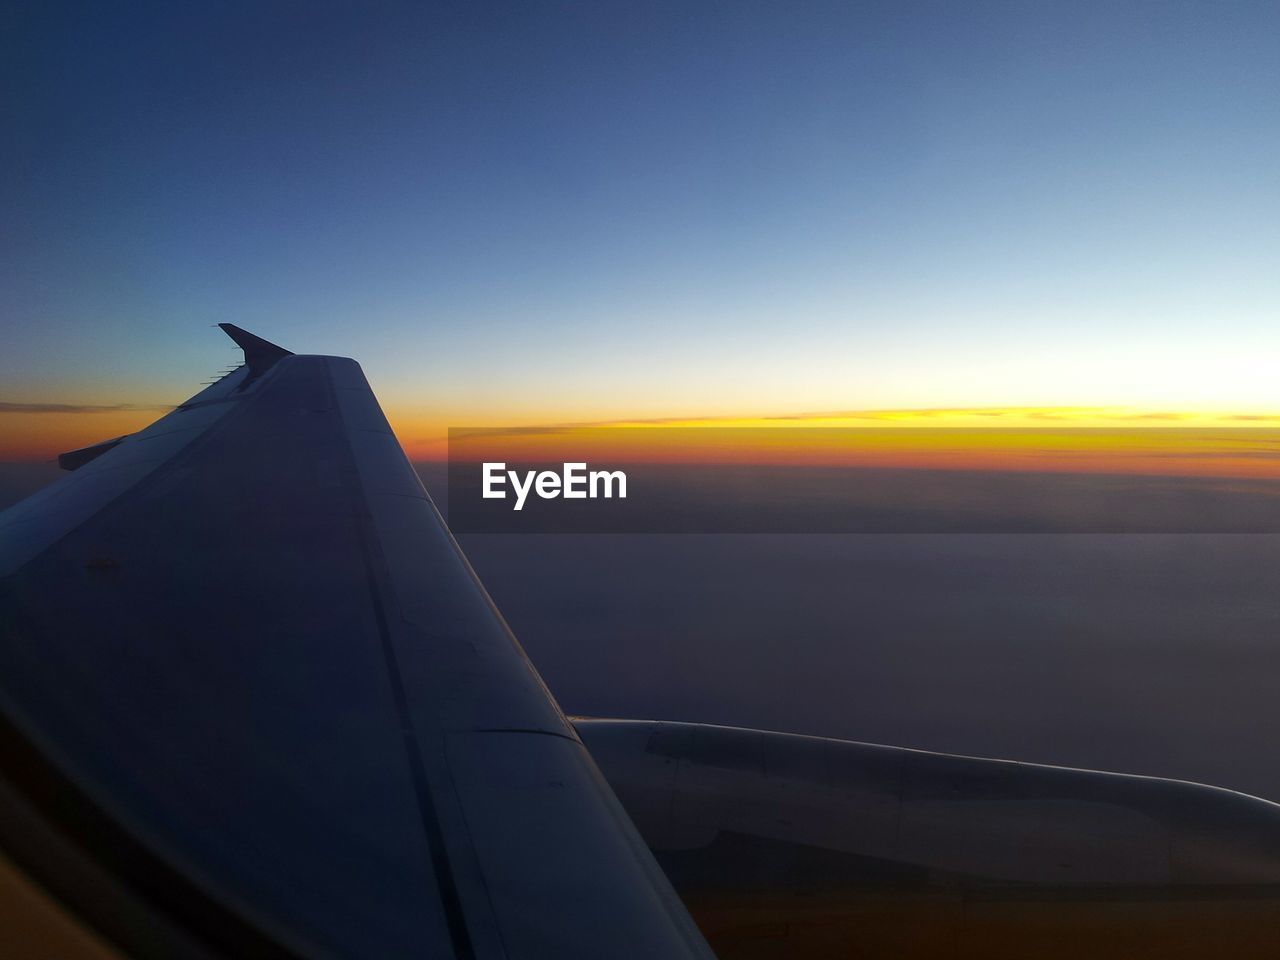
(525, 213)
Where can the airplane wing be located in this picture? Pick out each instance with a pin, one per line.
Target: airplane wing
(255, 703)
(786, 846)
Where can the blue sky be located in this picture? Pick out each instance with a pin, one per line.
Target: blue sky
(575, 211)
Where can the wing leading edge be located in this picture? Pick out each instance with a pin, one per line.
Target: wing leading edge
(249, 681)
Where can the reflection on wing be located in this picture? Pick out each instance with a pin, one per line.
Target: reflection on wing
(255, 703)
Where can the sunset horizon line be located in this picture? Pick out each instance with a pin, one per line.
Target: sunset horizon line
(425, 437)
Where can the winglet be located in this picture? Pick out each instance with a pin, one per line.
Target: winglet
(259, 354)
(75, 459)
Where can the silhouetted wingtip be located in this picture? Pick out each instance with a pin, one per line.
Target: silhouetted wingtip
(75, 459)
(259, 354)
(254, 346)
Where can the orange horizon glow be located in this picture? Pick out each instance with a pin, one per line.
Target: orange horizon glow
(43, 434)
(1236, 452)
(1041, 439)
(426, 438)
